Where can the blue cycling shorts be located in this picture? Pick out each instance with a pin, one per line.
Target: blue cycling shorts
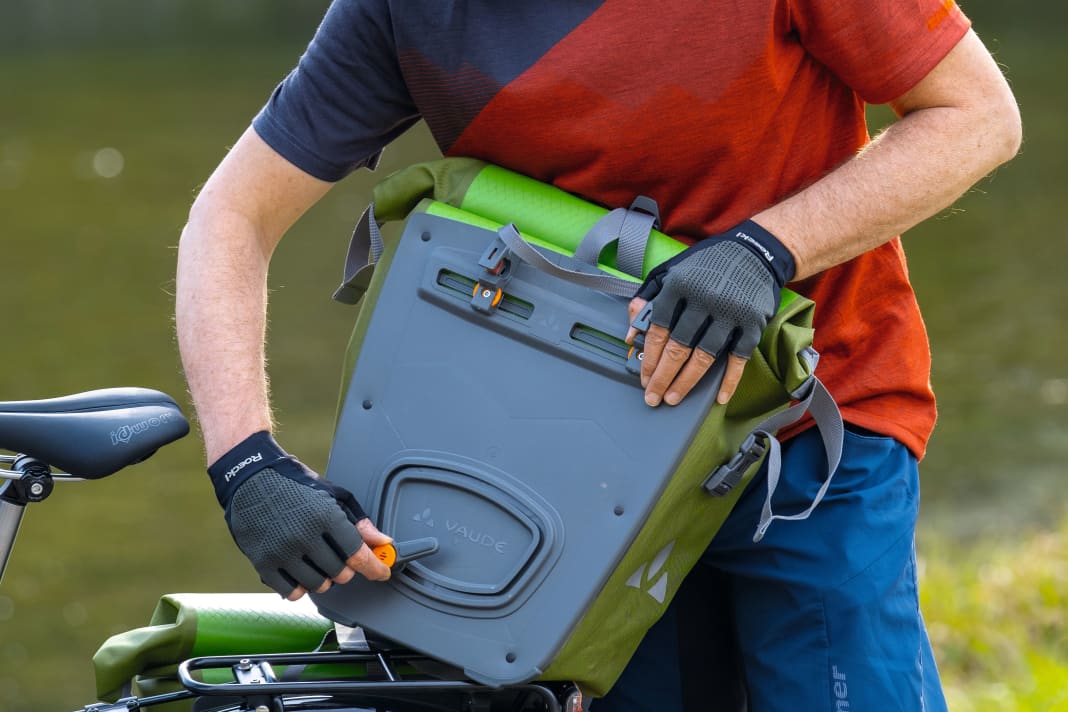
(822, 614)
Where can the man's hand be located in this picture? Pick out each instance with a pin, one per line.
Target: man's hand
(299, 531)
(717, 295)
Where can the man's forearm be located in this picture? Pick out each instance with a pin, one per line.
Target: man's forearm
(247, 205)
(914, 169)
(220, 315)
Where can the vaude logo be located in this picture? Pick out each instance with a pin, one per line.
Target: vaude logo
(475, 536)
(463, 532)
(127, 433)
(651, 578)
(763, 250)
(425, 518)
(242, 465)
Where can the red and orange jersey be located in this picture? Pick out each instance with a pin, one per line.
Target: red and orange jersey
(715, 110)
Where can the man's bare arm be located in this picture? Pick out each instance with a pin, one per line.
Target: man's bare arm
(958, 124)
(249, 202)
(247, 205)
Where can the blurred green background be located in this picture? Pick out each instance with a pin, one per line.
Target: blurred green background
(114, 112)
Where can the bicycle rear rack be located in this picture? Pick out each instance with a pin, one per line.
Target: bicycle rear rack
(382, 685)
(371, 680)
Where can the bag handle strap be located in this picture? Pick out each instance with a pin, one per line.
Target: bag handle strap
(600, 281)
(365, 247)
(630, 227)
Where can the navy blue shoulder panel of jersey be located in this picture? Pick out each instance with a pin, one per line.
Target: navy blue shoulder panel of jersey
(467, 50)
(375, 67)
(346, 97)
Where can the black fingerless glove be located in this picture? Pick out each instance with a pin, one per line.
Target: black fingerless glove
(294, 527)
(721, 292)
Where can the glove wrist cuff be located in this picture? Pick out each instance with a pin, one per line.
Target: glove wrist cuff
(772, 253)
(245, 459)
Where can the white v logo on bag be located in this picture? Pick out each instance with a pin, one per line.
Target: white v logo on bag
(643, 578)
(424, 517)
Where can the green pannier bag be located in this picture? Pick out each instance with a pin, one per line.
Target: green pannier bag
(144, 661)
(490, 406)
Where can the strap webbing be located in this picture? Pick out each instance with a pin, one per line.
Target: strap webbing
(821, 405)
(602, 282)
(630, 227)
(365, 247)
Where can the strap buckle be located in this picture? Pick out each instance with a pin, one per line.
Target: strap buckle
(725, 477)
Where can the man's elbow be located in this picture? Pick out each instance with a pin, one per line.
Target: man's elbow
(207, 209)
(1005, 128)
(213, 218)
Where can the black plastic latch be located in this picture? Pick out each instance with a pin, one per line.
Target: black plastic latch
(724, 478)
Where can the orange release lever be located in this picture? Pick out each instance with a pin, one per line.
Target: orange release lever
(398, 553)
(386, 553)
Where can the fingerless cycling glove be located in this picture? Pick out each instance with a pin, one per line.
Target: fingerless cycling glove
(721, 292)
(294, 527)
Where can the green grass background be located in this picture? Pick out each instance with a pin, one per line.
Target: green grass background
(86, 302)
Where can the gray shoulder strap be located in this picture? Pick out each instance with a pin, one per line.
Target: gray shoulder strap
(828, 419)
(814, 398)
(601, 281)
(365, 247)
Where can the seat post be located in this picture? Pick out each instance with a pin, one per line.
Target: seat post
(10, 518)
(33, 484)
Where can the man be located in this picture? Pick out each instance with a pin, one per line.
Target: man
(745, 121)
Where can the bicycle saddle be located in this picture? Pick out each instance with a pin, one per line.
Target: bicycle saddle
(92, 434)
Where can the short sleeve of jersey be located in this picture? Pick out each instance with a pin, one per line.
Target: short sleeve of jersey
(345, 100)
(880, 48)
